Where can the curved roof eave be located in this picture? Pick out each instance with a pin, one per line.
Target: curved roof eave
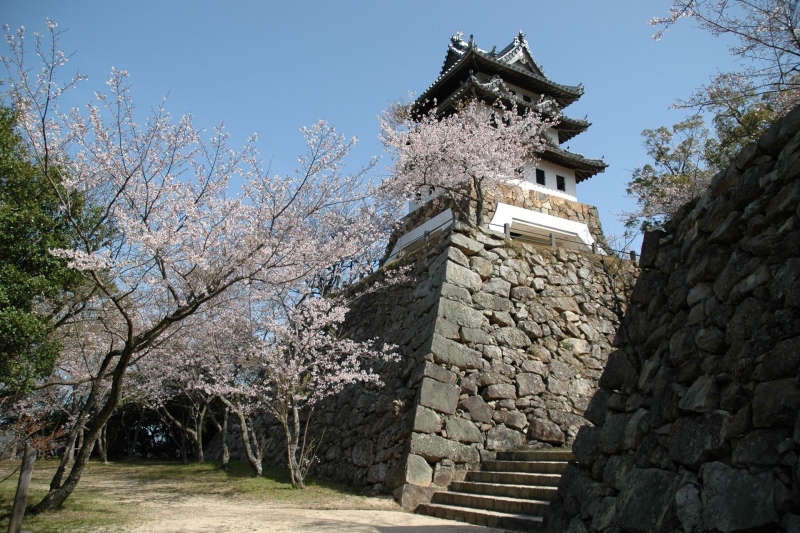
(563, 94)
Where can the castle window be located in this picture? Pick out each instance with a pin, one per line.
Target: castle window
(540, 177)
(561, 183)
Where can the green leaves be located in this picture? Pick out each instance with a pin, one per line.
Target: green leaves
(33, 283)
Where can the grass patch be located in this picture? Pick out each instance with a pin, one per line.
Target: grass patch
(109, 497)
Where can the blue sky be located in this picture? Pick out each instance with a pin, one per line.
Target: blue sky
(273, 67)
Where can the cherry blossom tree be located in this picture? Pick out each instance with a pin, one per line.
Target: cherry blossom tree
(767, 45)
(465, 155)
(167, 238)
(304, 358)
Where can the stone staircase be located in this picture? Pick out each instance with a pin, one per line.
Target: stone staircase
(511, 492)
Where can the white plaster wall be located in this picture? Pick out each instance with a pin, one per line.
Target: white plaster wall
(550, 172)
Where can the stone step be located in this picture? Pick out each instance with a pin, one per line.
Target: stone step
(503, 504)
(514, 478)
(529, 492)
(482, 517)
(558, 454)
(539, 467)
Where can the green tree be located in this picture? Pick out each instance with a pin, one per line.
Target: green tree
(686, 156)
(33, 284)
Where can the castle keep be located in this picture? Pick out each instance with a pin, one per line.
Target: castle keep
(503, 329)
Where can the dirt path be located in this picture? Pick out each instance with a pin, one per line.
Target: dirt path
(152, 497)
(210, 514)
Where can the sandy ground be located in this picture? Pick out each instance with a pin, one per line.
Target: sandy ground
(203, 514)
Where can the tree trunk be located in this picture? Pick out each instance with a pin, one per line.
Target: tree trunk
(184, 459)
(198, 435)
(133, 443)
(101, 445)
(18, 510)
(291, 428)
(479, 203)
(56, 497)
(251, 449)
(226, 452)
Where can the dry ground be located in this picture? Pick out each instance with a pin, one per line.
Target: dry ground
(144, 497)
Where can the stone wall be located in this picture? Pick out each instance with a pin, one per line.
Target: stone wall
(697, 425)
(520, 338)
(503, 344)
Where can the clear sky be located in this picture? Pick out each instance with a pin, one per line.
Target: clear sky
(272, 67)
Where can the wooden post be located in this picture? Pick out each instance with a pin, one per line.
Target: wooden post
(633, 256)
(18, 511)
(507, 230)
(594, 247)
(552, 239)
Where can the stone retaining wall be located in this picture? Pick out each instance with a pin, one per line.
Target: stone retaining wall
(503, 344)
(697, 425)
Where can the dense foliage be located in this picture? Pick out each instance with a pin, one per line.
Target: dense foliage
(34, 285)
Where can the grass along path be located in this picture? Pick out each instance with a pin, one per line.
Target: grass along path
(125, 496)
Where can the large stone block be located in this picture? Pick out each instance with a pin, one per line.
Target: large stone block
(462, 277)
(465, 244)
(512, 419)
(776, 403)
(363, 453)
(503, 438)
(500, 391)
(439, 396)
(479, 410)
(646, 503)
(463, 430)
(498, 287)
(453, 353)
(759, 447)
(426, 420)
(431, 370)
(735, 500)
(702, 396)
(562, 303)
(612, 433)
(695, 438)
(484, 300)
(417, 471)
(529, 384)
(783, 361)
(511, 337)
(619, 373)
(434, 448)
(544, 430)
(461, 314)
(410, 496)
